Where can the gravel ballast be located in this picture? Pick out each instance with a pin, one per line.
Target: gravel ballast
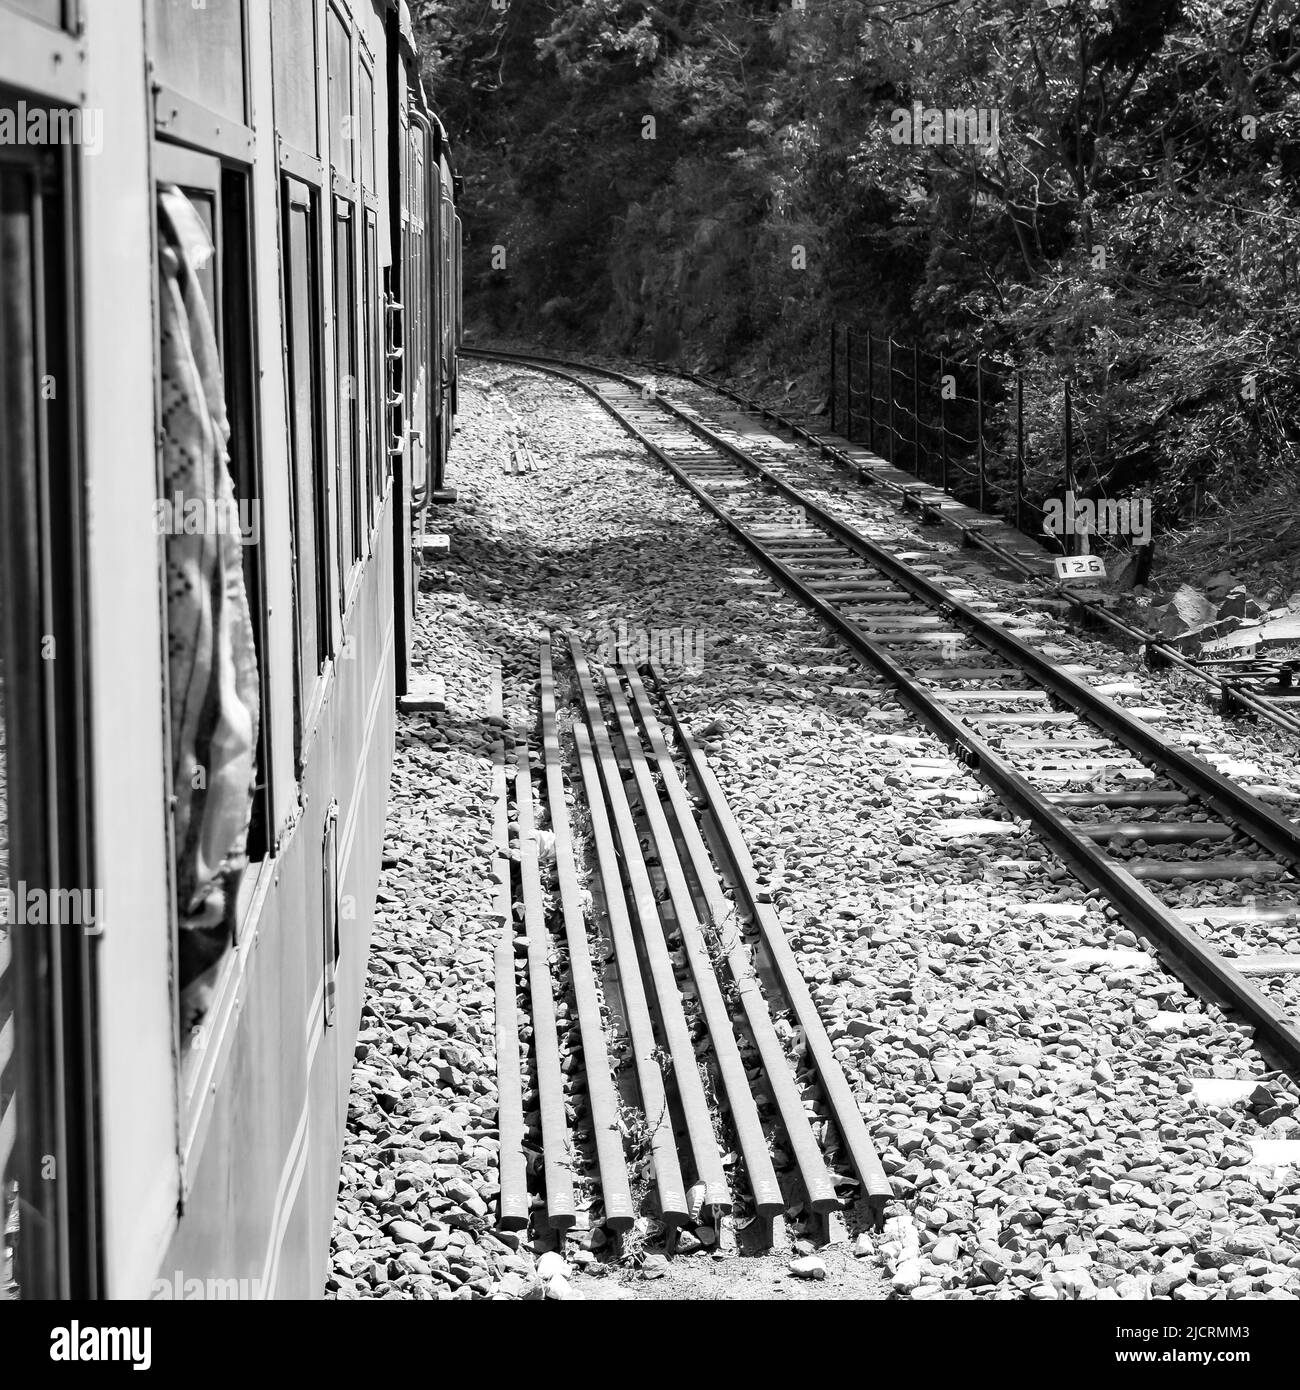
(1029, 1072)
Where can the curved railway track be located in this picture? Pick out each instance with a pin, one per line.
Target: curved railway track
(1036, 732)
(1267, 692)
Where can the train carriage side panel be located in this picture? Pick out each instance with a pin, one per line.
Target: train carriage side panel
(409, 331)
(245, 1107)
(264, 1164)
(76, 397)
(397, 339)
(220, 1148)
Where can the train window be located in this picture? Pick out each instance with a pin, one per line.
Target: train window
(48, 911)
(239, 356)
(219, 198)
(293, 40)
(215, 703)
(302, 326)
(343, 136)
(346, 415)
(198, 51)
(366, 126)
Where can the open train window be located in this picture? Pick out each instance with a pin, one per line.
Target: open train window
(219, 195)
(49, 910)
(209, 513)
(303, 352)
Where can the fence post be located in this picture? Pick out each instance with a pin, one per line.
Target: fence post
(1069, 466)
(832, 404)
(889, 393)
(1020, 450)
(916, 410)
(979, 424)
(871, 395)
(848, 384)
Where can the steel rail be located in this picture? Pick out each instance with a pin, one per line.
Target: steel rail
(1157, 653)
(645, 909)
(817, 1181)
(1089, 864)
(557, 1157)
(671, 1189)
(821, 1051)
(616, 1192)
(1267, 827)
(513, 1163)
(766, 1187)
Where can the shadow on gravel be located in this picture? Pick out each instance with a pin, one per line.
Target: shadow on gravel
(672, 576)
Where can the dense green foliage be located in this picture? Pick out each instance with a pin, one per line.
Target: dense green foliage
(1134, 226)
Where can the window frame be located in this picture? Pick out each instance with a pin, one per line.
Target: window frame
(417, 257)
(346, 412)
(55, 1042)
(347, 287)
(299, 193)
(192, 122)
(312, 8)
(235, 325)
(376, 390)
(59, 55)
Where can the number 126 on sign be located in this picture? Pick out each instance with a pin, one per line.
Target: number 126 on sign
(1079, 567)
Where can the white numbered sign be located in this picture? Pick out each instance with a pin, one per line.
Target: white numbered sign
(1079, 567)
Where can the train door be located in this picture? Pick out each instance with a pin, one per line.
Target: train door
(407, 352)
(419, 376)
(438, 274)
(446, 312)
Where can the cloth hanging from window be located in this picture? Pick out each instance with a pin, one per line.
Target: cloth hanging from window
(212, 661)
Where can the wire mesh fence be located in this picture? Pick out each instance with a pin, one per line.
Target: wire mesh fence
(955, 422)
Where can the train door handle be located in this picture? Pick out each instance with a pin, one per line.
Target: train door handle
(330, 906)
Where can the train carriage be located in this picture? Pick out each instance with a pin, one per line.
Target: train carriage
(227, 278)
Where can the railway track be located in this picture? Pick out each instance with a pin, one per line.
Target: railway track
(1135, 817)
(1258, 690)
